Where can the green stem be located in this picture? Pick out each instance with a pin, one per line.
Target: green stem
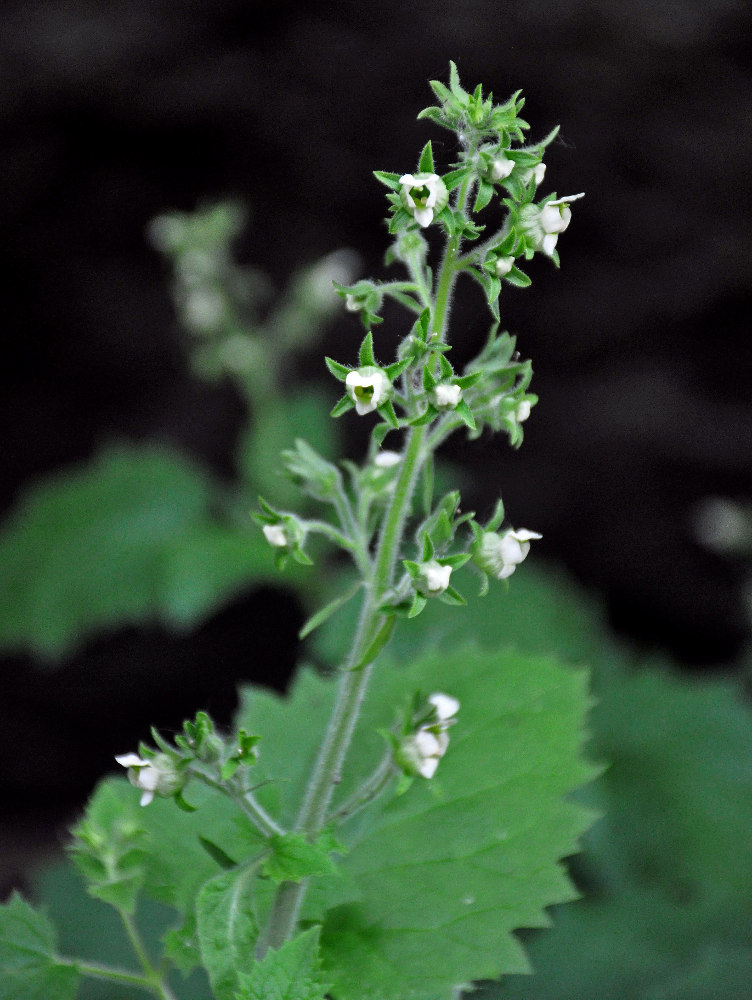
(355, 675)
(152, 976)
(245, 801)
(96, 970)
(368, 791)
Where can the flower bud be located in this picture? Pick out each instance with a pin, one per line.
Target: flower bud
(433, 578)
(447, 396)
(501, 167)
(424, 196)
(276, 536)
(499, 555)
(503, 266)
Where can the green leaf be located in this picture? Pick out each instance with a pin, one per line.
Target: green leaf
(425, 164)
(378, 642)
(480, 857)
(227, 930)
(293, 858)
(110, 848)
(85, 548)
(29, 969)
(292, 973)
(323, 614)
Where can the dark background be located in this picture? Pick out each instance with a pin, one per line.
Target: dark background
(113, 113)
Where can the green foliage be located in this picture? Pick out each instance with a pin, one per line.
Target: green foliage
(292, 973)
(294, 858)
(129, 538)
(480, 855)
(30, 968)
(227, 929)
(109, 851)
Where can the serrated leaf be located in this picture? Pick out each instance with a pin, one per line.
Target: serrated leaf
(481, 856)
(227, 929)
(292, 973)
(29, 968)
(84, 549)
(293, 858)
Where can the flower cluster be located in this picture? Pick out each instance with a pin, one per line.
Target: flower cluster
(424, 748)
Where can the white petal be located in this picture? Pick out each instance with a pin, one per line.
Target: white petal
(275, 535)
(503, 266)
(523, 535)
(131, 760)
(549, 243)
(551, 219)
(567, 199)
(423, 216)
(505, 572)
(447, 396)
(407, 180)
(386, 459)
(436, 577)
(539, 172)
(446, 706)
(502, 168)
(146, 798)
(428, 768)
(427, 744)
(523, 411)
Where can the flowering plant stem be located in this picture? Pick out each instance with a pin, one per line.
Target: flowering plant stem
(355, 674)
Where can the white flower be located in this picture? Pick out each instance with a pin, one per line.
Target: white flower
(424, 750)
(503, 266)
(435, 577)
(141, 774)
(275, 535)
(353, 304)
(446, 397)
(537, 173)
(387, 459)
(523, 411)
(500, 555)
(424, 195)
(368, 388)
(501, 168)
(554, 218)
(446, 706)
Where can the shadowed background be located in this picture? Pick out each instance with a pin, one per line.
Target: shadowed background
(640, 344)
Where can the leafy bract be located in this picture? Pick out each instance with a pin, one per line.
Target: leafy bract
(441, 877)
(227, 929)
(292, 973)
(30, 968)
(129, 538)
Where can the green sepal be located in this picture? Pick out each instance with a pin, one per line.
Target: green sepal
(404, 784)
(418, 604)
(436, 115)
(323, 614)
(483, 591)
(412, 568)
(391, 180)
(394, 370)
(404, 298)
(180, 801)
(300, 557)
(453, 597)
(425, 418)
(497, 517)
(484, 195)
(388, 413)
(365, 355)
(445, 367)
(466, 381)
(518, 278)
(217, 854)
(454, 84)
(229, 768)
(455, 177)
(463, 410)
(342, 406)
(400, 220)
(458, 560)
(339, 371)
(428, 550)
(429, 382)
(425, 163)
(378, 642)
(443, 93)
(378, 434)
